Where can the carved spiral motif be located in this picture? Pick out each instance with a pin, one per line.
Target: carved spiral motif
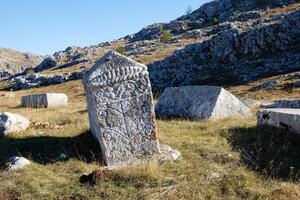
(112, 76)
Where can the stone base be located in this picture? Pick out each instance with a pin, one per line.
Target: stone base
(287, 119)
(166, 153)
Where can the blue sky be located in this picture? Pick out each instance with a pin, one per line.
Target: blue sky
(46, 26)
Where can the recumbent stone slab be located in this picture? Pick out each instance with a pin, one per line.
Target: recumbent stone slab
(200, 102)
(288, 119)
(47, 100)
(120, 108)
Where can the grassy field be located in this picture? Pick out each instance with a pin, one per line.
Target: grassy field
(225, 159)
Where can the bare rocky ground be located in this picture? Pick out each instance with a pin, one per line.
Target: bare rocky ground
(223, 159)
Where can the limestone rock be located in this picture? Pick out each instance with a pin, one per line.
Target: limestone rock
(266, 85)
(200, 102)
(228, 57)
(37, 80)
(47, 100)
(47, 63)
(285, 104)
(10, 123)
(287, 119)
(168, 153)
(120, 108)
(17, 163)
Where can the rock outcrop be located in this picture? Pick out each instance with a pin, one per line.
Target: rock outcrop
(37, 80)
(213, 12)
(199, 102)
(265, 85)
(233, 56)
(285, 104)
(12, 62)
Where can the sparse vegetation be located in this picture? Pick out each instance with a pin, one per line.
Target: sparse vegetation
(122, 51)
(216, 162)
(215, 21)
(224, 159)
(165, 35)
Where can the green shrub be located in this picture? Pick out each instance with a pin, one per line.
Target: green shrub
(165, 35)
(215, 21)
(122, 51)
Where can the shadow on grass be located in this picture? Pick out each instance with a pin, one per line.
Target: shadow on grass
(270, 151)
(46, 149)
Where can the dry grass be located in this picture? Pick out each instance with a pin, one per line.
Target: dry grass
(282, 91)
(216, 162)
(280, 10)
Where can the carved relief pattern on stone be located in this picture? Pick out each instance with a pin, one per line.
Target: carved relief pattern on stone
(123, 109)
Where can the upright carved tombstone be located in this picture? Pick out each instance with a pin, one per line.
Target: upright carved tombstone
(120, 108)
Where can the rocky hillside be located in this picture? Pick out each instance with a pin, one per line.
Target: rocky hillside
(270, 46)
(223, 42)
(12, 61)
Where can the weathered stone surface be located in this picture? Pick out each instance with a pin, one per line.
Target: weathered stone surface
(238, 54)
(16, 163)
(47, 100)
(37, 80)
(200, 102)
(120, 108)
(266, 85)
(285, 104)
(288, 119)
(10, 123)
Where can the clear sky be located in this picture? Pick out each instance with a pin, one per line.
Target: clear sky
(46, 26)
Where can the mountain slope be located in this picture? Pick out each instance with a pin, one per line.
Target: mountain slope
(271, 46)
(12, 61)
(223, 42)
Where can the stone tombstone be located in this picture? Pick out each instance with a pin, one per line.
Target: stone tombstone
(46, 100)
(284, 118)
(200, 103)
(120, 108)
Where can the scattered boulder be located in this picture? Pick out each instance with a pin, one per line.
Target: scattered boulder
(16, 163)
(63, 156)
(284, 104)
(47, 100)
(200, 102)
(266, 85)
(168, 153)
(10, 123)
(287, 119)
(120, 108)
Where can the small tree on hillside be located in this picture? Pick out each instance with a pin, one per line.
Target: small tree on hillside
(215, 21)
(165, 35)
(122, 51)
